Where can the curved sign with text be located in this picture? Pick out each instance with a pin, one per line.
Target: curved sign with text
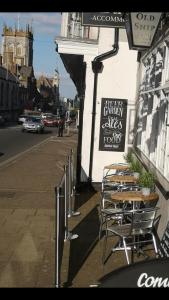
(113, 124)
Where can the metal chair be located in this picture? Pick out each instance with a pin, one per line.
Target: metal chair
(111, 208)
(134, 234)
(108, 172)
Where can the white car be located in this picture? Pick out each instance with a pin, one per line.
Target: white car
(46, 115)
(2, 120)
(33, 124)
(22, 119)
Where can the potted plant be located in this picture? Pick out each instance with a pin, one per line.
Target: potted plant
(128, 157)
(136, 168)
(147, 181)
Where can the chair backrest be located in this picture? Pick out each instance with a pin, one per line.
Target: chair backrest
(128, 187)
(143, 220)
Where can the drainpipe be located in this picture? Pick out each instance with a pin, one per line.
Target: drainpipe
(97, 66)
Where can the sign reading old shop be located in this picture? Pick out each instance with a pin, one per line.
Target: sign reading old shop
(113, 124)
(104, 19)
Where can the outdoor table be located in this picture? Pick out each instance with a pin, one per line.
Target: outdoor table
(119, 167)
(122, 178)
(133, 196)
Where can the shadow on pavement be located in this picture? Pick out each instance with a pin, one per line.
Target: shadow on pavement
(82, 195)
(81, 248)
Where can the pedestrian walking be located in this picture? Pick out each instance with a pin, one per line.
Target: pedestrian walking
(60, 127)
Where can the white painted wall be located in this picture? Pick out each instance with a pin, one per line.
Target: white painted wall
(118, 80)
(87, 119)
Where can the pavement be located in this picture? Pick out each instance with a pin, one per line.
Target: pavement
(27, 219)
(27, 212)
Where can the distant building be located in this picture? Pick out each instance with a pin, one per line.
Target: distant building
(48, 89)
(17, 57)
(9, 100)
(17, 47)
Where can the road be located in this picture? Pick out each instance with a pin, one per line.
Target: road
(13, 141)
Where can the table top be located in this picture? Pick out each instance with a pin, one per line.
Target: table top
(117, 167)
(133, 196)
(122, 178)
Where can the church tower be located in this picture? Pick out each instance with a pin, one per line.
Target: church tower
(17, 48)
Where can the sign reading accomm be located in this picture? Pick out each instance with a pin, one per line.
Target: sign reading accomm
(105, 19)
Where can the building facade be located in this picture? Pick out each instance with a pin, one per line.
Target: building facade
(152, 120)
(104, 138)
(48, 89)
(17, 47)
(17, 57)
(9, 90)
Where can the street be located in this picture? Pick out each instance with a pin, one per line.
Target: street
(13, 141)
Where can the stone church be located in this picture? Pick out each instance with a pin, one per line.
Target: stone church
(17, 57)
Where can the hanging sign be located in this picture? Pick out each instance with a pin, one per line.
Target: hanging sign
(104, 19)
(113, 124)
(141, 28)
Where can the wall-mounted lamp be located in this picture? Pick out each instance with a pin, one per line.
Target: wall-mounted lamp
(141, 28)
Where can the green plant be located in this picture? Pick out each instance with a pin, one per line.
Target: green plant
(135, 166)
(128, 157)
(147, 179)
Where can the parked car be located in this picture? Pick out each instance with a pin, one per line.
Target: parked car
(46, 115)
(33, 124)
(50, 121)
(2, 121)
(22, 119)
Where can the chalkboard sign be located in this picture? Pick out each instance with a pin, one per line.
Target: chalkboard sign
(163, 250)
(113, 124)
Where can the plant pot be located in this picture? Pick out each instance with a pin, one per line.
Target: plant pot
(136, 175)
(146, 191)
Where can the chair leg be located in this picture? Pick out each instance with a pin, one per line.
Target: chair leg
(125, 249)
(154, 243)
(104, 247)
(100, 229)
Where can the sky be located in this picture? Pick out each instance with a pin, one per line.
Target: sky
(46, 27)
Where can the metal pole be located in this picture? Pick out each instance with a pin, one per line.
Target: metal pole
(71, 187)
(57, 229)
(66, 202)
(68, 234)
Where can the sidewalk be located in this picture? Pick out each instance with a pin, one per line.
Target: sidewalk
(27, 213)
(27, 219)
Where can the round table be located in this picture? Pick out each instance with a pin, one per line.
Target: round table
(134, 196)
(122, 178)
(117, 167)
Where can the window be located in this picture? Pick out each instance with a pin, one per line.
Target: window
(10, 48)
(19, 50)
(166, 63)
